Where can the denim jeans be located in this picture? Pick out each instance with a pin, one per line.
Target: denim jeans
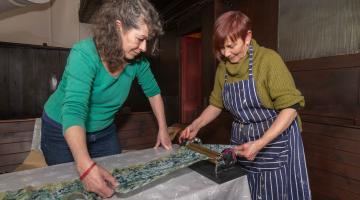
(56, 150)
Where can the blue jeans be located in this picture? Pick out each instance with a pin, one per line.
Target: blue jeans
(56, 150)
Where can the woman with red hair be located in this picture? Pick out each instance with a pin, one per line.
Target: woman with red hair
(255, 86)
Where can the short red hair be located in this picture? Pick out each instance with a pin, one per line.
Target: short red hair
(232, 24)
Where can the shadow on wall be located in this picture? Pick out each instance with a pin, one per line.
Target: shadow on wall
(11, 8)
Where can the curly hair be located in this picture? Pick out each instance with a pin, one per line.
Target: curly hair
(131, 13)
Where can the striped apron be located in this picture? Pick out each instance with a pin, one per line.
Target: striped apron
(279, 169)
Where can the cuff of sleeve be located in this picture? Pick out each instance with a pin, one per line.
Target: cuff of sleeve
(296, 106)
(215, 103)
(153, 92)
(72, 121)
(298, 102)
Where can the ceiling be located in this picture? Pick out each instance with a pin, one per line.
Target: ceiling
(88, 7)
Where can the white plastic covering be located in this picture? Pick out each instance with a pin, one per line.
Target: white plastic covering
(184, 184)
(36, 141)
(313, 29)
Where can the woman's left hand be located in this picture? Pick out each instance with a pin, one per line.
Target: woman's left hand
(248, 150)
(163, 139)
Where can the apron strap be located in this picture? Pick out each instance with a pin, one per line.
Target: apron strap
(251, 53)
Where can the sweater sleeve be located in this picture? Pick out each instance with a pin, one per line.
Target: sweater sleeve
(282, 89)
(216, 94)
(146, 79)
(80, 72)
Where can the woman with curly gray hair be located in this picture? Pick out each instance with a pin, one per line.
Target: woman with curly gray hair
(78, 118)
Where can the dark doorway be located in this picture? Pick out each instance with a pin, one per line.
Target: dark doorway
(191, 76)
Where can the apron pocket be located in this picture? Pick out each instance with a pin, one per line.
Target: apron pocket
(272, 156)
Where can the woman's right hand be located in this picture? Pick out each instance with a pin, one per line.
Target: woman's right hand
(188, 133)
(96, 179)
(100, 181)
(208, 115)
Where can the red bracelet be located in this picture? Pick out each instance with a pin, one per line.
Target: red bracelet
(86, 172)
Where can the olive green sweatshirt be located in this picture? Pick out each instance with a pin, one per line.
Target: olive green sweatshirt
(274, 84)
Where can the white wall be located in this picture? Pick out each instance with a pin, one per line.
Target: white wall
(55, 23)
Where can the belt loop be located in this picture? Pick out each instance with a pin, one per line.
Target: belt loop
(92, 137)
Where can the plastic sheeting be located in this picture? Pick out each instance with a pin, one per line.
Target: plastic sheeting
(313, 29)
(182, 184)
(36, 141)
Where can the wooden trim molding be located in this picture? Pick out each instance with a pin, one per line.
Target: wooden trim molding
(324, 63)
(331, 86)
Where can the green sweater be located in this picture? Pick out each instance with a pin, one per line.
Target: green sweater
(274, 83)
(88, 95)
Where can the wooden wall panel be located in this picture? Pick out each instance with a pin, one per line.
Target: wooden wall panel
(218, 131)
(333, 94)
(15, 142)
(47, 64)
(331, 88)
(7, 168)
(16, 147)
(12, 126)
(135, 121)
(208, 58)
(4, 81)
(168, 77)
(333, 160)
(136, 130)
(141, 142)
(11, 159)
(16, 77)
(331, 129)
(20, 136)
(25, 74)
